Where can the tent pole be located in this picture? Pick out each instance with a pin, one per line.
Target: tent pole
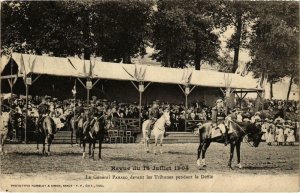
(186, 108)
(241, 99)
(25, 137)
(140, 110)
(0, 96)
(88, 97)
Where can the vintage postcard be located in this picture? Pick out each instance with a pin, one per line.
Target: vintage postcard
(149, 96)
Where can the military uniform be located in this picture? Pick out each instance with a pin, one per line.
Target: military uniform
(43, 110)
(218, 117)
(153, 116)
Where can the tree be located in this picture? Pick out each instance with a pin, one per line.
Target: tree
(183, 32)
(40, 27)
(115, 30)
(274, 44)
(121, 29)
(238, 14)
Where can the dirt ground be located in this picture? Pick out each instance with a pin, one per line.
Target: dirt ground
(265, 160)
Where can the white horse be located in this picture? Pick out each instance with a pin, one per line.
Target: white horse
(158, 130)
(4, 120)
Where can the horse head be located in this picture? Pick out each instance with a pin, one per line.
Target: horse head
(166, 117)
(255, 133)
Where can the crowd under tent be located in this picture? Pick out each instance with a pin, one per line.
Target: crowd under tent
(28, 68)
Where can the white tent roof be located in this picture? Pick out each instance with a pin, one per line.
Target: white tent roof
(76, 67)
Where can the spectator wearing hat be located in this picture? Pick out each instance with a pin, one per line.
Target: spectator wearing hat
(290, 132)
(256, 117)
(264, 129)
(271, 132)
(279, 133)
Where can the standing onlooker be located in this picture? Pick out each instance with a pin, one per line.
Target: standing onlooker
(279, 134)
(271, 132)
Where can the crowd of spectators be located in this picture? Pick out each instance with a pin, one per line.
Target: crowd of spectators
(60, 109)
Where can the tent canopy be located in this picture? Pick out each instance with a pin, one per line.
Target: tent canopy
(75, 67)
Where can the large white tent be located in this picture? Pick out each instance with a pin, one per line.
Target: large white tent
(187, 79)
(75, 67)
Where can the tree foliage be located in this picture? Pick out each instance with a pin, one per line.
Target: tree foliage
(183, 32)
(274, 45)
(114, 30)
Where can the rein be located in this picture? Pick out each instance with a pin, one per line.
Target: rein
(246, 134)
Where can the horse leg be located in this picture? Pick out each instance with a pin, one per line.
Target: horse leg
(1, 148)
(49, 141)
(44, 143)
(232, 146)
(90, 145)
(93, 149)
(238, 153)
(71, 137)
(161, 141)
(204, 148)
(199, 153)
(37, 143)
(100, 146)
(156, 138)
(83, 149)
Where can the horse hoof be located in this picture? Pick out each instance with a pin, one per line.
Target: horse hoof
(198, 163)
(239, 166)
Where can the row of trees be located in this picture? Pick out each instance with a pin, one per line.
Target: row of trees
(181, 32)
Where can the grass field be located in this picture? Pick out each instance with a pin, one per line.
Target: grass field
(21, 158)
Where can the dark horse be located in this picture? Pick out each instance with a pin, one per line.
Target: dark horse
(252, 131)
(75, 126)
(45, 133)
(96, 132)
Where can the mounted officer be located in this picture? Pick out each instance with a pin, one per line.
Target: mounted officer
(43, 110)
(92, 114)
(218, 118)
(153, 116)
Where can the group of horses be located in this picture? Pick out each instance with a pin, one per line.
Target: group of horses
(91, 133)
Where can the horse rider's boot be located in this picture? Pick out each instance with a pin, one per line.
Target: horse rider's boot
(226, 137)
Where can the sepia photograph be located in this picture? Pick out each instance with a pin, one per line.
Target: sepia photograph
(149, 96)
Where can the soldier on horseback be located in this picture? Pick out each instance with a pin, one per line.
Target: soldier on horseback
(218, 118)
(43, 110)
(153, 116)
(92, 115)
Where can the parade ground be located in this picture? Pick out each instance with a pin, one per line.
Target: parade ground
(126, 167)
(269, 160)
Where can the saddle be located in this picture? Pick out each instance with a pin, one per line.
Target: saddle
(215, 132)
